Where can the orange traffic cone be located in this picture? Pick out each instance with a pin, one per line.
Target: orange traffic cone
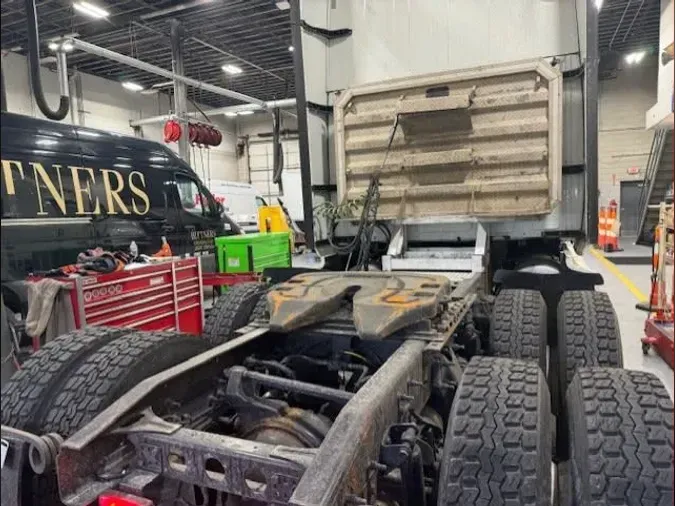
(611, 228)
(602, 220)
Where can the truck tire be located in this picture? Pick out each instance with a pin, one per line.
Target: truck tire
(588, 334)
(621, 438)
(103, 377)
(231, 311)
(498, 444)
(26, 394)
(261, 311)
(518, 326)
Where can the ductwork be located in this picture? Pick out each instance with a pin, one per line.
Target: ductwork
(34, 65)
(272, 104)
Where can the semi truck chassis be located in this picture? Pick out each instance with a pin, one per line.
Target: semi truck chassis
(363, 389)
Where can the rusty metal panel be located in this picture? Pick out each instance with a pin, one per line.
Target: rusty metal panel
(383, 302)
(478, 142)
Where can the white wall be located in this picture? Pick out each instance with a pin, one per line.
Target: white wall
(661, 114)
(110, 107)
(623, 141)
(398, 38)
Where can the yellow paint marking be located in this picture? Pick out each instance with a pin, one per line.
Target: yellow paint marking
(620, 276)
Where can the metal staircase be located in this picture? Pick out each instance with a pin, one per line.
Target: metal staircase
(658, 184)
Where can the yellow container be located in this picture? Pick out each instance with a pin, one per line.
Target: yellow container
(272, 219)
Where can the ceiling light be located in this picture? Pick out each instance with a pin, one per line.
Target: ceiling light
(635, 57)
(232, 69)
(53, 46)
(230, 114)
(90, 10)
(132, 86)
(283, 5)
(67, 46)
(291, 48)
(245, 113)
(165, 84)
(598, 4)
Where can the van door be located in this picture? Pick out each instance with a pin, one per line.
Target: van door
(200, 221)
(144, 220)
(44, 223)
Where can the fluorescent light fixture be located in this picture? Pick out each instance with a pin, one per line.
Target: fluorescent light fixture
(230, 114)
(291, 48)
(232, 69)
(90, 10)
(132, 86)
(635, 57)
(245, 113)
(598, 4)
(283, 5)
(165, 84)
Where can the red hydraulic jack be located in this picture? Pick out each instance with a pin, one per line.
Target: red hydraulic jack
(659, 323)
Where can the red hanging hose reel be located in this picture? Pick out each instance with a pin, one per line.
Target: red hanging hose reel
(198, 133)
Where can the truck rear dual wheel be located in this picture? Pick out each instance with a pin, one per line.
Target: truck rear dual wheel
(621, 439)
(518, 326)
(588, 333)
(27, 395)
(498, 443)
(588, 336)
(76, 376)
(231, 311)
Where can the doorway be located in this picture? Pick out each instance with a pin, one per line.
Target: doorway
(628, 207)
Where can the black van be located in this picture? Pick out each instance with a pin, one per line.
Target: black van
(66, 189)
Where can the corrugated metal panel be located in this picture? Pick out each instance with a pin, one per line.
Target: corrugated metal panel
(489, 145)
(573, 121)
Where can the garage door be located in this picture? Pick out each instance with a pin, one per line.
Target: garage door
(261, 160)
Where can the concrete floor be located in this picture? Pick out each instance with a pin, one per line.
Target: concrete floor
(631, 320)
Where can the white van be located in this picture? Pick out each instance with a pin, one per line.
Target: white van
(240, 201)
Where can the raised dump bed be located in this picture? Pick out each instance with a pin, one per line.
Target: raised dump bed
(479, 142)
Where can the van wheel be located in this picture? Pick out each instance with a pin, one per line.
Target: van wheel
(103, 377)
(621, 438)
(498, 444)
(518, 326)
(231, 311)
(26, 395)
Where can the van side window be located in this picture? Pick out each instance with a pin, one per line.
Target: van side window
(260, 202)
(191, 197)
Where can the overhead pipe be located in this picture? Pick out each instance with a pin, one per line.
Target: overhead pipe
(34, 64)
(272, 104)
(153, 69)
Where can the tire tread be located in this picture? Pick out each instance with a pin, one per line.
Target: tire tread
(498, 446)
(518, 326)
(621, 438)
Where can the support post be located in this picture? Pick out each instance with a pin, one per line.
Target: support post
(591, 121)
(303, 137)
(180, 88)
(77, 99)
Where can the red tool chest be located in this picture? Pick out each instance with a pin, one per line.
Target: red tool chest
(163, 296)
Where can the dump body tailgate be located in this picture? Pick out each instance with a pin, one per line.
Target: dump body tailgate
(478, 142)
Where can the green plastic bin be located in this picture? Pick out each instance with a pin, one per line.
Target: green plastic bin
(253, 252)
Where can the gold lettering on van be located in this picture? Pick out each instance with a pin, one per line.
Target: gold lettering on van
(139, 193)
(79, 190)
(40, 173)
(112, 195)
(9, 178)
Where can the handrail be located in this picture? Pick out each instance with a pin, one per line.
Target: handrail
(655, 153)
